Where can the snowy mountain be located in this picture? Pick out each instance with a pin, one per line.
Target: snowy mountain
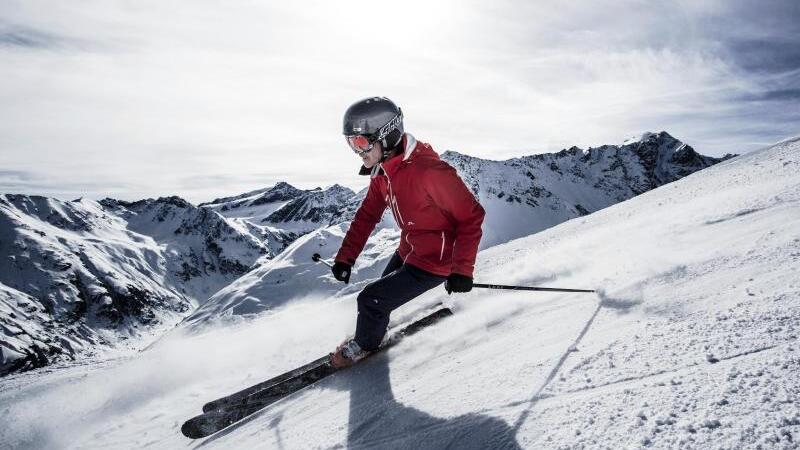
(82, 278)
(206, 250)
(102, 271)
(521, 196)
(285, 207)
(692, 343)
(255, 205)
(282, 213)
(529, 194)
(312, 209)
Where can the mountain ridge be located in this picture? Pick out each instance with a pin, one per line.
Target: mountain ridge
(521, 196)
(167, 256)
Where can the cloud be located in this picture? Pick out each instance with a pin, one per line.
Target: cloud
(65, 188)
(15, 176)
(761, 56)
(26, 38)
(158, 98)
(780, 95)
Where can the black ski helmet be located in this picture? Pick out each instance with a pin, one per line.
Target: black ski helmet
(377, 118)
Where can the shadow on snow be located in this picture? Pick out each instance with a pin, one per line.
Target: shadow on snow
(378, 420)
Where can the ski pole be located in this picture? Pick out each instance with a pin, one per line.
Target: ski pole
(527, 288)
(317, 258)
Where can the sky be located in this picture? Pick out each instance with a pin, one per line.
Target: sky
(208, 98)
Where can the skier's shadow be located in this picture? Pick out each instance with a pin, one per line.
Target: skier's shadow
(377, 420)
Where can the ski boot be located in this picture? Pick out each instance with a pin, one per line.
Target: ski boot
(347, 354)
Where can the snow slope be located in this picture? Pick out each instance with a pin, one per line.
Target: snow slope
(691, 344)
(292, 276)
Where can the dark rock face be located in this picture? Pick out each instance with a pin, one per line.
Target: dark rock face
(317, 206)
(666, 159)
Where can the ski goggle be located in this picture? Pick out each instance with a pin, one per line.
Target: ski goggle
(361, 145)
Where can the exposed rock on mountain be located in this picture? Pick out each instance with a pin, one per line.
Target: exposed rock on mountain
(312, 209)
(83, 277)
(529, 194)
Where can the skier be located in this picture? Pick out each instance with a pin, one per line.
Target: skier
(439, 219)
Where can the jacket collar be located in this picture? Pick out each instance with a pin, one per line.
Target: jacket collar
(409, 144)
(391, 165)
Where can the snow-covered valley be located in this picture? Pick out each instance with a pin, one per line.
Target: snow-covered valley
(691, 343)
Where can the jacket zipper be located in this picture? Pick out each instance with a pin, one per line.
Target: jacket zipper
(395, 206)
(441, 253)
(393, 203)
(398, 217)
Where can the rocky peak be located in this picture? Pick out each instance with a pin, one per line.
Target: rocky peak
(666, 159)
(315, 206)
(280, 192)
(66, 215)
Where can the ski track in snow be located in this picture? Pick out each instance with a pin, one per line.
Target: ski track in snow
(691, 343)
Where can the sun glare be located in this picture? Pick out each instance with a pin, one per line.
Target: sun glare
(370, 27)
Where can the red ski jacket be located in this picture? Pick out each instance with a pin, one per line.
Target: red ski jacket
(439, 218)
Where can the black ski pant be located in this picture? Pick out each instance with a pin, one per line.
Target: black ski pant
(398, 284)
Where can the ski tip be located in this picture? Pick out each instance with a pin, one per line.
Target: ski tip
(205, 425)
(190, 430)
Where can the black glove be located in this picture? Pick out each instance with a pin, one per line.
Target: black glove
(341, 271)
(458, 283)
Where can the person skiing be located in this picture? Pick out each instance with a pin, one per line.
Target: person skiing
(439, 219)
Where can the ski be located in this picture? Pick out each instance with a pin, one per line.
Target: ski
(226, 411)
(237, 397)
